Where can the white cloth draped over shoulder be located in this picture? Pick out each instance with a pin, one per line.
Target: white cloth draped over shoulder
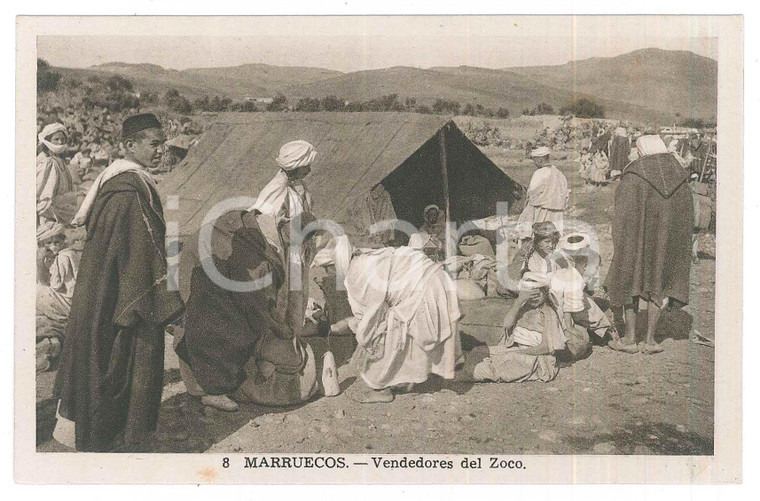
(405, 316)
(119, 166)
(283, 200)
(53, 179)
(271, 199)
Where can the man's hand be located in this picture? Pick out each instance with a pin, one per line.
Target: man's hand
(526, 296)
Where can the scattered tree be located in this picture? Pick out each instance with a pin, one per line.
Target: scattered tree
(502, 113)
(47, 80)
(332, 103)
(442, 106)
(584, 108)
(543, 109)
(695, 123)
(279, 103)
(308, 104)
(177, 102)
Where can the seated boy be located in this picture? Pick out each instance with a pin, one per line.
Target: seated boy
(532, 336)
(57, 270)
(542, 256)
(568, 287)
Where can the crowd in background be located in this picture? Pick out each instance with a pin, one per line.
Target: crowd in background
(75, 144)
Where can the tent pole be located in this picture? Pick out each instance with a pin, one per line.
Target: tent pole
(707, 157)
(445, 178)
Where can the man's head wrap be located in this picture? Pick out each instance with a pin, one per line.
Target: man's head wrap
(650, 145)
(136, 123)
(544, 229)
(575, 243)
(533, 280)
(48, 131)
(338, 252)
(540, 152)
(296, 154)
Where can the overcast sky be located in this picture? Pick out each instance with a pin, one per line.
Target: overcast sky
(358, 43)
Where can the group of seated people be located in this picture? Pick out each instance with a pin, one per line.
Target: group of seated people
(405, 313)
(553, 316)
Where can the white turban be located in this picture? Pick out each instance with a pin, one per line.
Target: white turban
(48, 131)
(339, 252)
(620, 131)
(296, 154)
(650, 145)
(534, 280)
(540, 152)
(575, 242)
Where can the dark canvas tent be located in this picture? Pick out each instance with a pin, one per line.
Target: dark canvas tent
(369, 167)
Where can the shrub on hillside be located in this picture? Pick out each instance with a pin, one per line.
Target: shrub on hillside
(584, 108)
(47, 80)
(279, 103)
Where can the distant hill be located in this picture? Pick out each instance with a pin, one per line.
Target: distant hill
(649, 85)
(464, 84)
(671, 81)
(237, 82)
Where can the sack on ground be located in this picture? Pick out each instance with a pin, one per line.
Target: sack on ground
(468, 290)
(475, 244)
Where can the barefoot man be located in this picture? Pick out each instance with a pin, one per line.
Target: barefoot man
(651, 236)
(405, 317)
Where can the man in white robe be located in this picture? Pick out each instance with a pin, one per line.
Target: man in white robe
(405, 317)
(282, 202)
(547, 195)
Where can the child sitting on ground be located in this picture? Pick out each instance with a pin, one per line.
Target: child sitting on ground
(57, 270)
(532, 336)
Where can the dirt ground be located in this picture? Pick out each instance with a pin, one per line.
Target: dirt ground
(608, 403)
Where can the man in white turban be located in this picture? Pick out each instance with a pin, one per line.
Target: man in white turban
(53, 178)
(295, 161)
(225, 330)
(547, 195)
(285, 201)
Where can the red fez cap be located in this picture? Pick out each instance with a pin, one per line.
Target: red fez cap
(134, 124)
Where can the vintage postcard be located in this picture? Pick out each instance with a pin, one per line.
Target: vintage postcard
(407, 249)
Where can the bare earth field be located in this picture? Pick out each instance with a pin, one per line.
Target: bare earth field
(609, 403)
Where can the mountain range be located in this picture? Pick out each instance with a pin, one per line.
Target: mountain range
(651, 85)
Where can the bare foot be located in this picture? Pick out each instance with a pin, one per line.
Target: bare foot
(402, 388)
(651, 348)
(221, 402)
(360, 392)
(619, 345)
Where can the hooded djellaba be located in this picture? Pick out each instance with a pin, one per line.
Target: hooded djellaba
(651, 229)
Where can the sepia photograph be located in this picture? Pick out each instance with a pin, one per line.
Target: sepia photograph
(372, 248)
